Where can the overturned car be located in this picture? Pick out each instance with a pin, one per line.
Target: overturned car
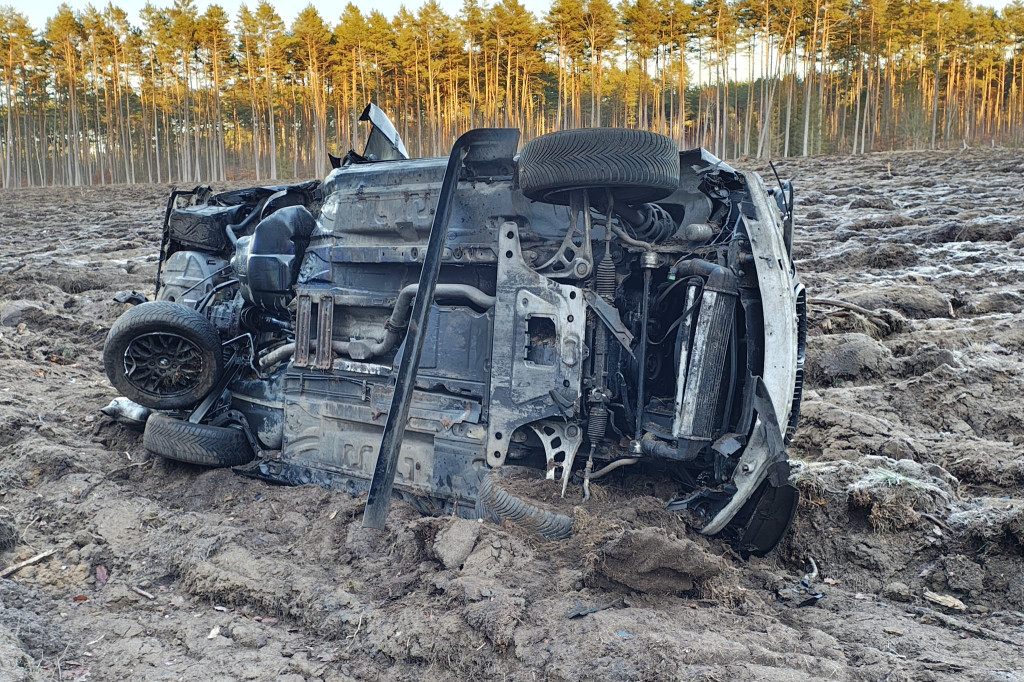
(437, 327)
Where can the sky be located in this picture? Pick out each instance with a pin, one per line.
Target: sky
(38, 11)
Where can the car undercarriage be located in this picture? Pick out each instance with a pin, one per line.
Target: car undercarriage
(598, 300)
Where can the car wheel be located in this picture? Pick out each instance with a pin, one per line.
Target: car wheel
(215, 446)
(163, 355)
(495, 501)
(635, 165)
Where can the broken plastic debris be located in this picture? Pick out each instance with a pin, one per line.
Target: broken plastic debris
(800, 595)
(945, 600)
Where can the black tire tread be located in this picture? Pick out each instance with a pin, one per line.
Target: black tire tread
(637, 165)
(215, 446)
(159, 316)
(501, 505)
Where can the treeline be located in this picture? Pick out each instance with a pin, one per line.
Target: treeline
(185, 96)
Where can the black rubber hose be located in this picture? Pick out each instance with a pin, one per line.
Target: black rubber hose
(719, 277)
(657, 448)
(252, 218)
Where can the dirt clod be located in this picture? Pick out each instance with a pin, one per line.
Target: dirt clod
(845, 357)
(897, 591)
(920, 302)
(963, 575)
(13, 312)
(454, 543)
(647, 560)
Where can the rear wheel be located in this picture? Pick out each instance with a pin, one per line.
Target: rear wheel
(163, 355)
(636, 166)
(215, 446)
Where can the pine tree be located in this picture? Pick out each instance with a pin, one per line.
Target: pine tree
(17, 49)
(600, 26)
(312, 38)
(269, 34)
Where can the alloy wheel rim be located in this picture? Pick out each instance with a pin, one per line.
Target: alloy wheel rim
(163, 363)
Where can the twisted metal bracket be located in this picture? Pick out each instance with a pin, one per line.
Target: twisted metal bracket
(561, 443)
(574, 258)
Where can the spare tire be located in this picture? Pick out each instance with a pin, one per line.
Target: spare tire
(495, 501)
(215, 446)
(635, 165)
(163, 355)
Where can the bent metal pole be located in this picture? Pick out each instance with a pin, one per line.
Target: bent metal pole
(383, 481)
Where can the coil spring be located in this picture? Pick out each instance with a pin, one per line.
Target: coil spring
(597, 423)
(658, 225)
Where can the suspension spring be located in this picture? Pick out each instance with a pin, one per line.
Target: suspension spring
(597, 423)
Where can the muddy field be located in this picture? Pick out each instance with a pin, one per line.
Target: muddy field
(910, 464)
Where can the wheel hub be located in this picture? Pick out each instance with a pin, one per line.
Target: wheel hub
(163, 363)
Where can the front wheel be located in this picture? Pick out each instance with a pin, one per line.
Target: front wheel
(163, 355)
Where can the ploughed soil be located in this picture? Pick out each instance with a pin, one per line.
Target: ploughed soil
(909, 459)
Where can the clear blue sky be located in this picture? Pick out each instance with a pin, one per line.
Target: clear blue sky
(38, 11)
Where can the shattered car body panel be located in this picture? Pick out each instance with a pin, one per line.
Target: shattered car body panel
(666, 335)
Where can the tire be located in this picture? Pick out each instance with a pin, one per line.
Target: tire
(215, 446)
(495, 502)
(163, 355)
(637, 166)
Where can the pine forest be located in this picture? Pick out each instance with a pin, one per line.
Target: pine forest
(184, 95)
